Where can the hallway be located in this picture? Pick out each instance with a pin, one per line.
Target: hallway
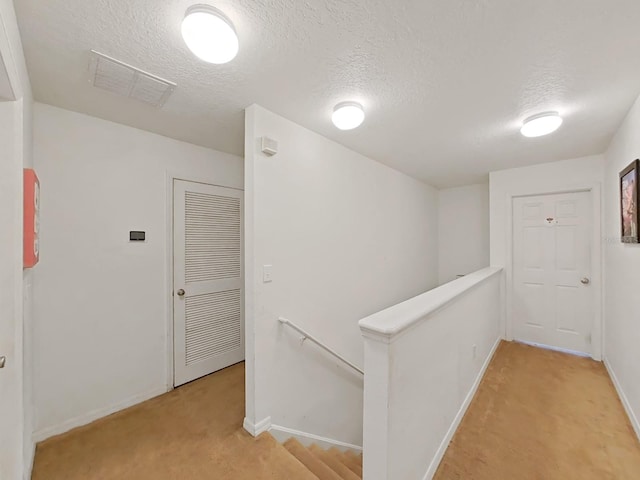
(538, 415)
(192, 433)
(543, 415)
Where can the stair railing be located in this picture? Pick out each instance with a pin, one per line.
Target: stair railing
(308, 336)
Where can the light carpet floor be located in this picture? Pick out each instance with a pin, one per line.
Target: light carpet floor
(538, 415)
(543, 415)
(192, 433)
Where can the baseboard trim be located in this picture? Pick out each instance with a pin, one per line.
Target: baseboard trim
(435, 463)
(92, 416)
(282, 434)
(575, 353)
(256, 429)
(623, 398)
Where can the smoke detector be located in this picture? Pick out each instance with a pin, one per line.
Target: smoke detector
(117, 77)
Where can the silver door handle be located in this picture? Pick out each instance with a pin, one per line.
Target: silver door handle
(3, 360)
(180, 293)
(585, 281)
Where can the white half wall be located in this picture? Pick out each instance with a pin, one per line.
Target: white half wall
(424, 360)
(346, 236)
(622, 274)
(101, 303)
(463, 231)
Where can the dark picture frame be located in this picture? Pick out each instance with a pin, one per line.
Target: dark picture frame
(629, 183)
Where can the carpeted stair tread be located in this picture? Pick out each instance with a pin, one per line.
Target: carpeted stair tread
(356, 456)
(194, 433)
(351, 460)
(309, 460)
(354, 461)
(334, 460)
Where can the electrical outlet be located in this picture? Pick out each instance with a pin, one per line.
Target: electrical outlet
(475, 351)
(266, 274)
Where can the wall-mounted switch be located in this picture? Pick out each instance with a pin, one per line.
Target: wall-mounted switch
(266, 273)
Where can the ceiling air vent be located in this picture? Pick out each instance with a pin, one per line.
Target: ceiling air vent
(118, 77)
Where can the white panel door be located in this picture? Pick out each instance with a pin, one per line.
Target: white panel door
(552, 294)
(208, 285)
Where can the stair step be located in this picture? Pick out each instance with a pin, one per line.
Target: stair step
(356, 457)
(351, 460)
(284, 464)
(311, 461)
(334, 459)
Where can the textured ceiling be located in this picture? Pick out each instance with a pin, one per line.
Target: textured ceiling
(445, 83)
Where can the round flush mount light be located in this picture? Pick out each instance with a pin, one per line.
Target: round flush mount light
(542, 124)
(209, 34)
(348, 115)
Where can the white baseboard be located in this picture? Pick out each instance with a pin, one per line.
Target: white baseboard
(282, 434)
(85, 419)
(256, 429)
(575, 353)
(623, 398)
(435, 463)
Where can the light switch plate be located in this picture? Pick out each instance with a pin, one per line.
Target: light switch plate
(266, 274)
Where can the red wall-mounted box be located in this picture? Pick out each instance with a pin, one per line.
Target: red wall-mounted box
(31, 218)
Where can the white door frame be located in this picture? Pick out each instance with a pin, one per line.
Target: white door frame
(171, 176)
(597, 330)
(18, 458)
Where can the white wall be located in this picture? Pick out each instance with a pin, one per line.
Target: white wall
(346, 236)
(424, 359)
(463, 231)
(27, 295)
(622, 273)
(16, 443)
(548, 177)
(100, 301)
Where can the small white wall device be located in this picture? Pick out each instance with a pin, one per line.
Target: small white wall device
(269, 146)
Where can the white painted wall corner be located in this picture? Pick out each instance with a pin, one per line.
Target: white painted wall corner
(256, 429)
(30, 457)
(623, 398)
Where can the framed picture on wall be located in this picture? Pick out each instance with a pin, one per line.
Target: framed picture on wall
(629, 202)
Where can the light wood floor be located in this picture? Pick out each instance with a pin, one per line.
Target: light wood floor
(542, 415)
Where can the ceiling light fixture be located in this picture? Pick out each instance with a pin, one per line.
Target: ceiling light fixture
(209, 34)
(541, 124)
(348, 115)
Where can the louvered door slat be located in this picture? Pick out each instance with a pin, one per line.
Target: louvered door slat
(213, 324)
(208, 266)
(212, 237)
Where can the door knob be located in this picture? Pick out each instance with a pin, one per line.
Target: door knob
(585, 281)
(180, 293)
(3, 360)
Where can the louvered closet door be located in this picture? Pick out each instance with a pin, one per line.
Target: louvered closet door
(208, 284)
